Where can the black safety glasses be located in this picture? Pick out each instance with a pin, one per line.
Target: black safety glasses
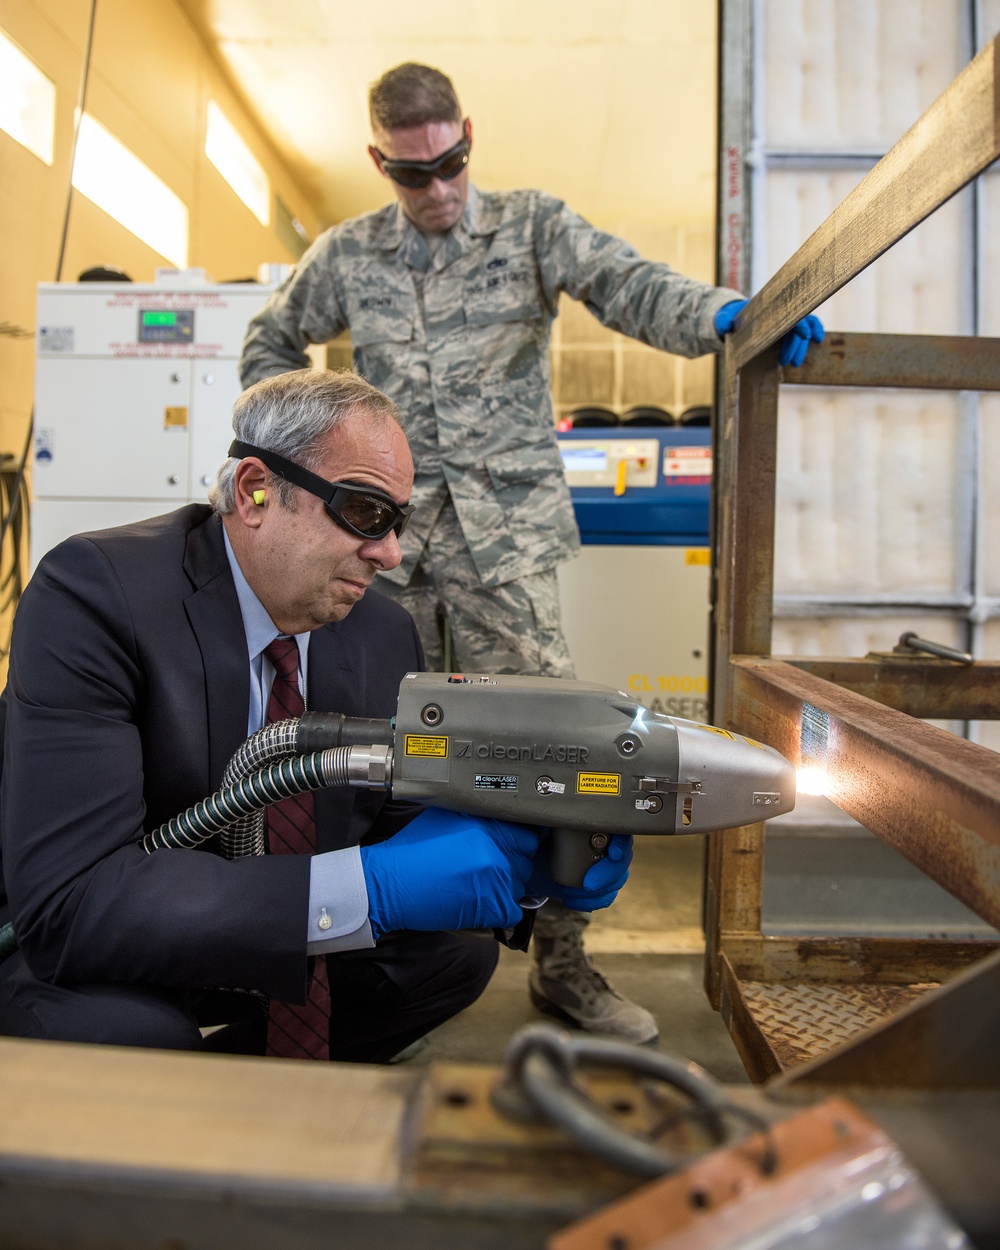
(362, 510)
(417, 174)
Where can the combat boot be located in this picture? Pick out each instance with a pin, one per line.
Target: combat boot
(564, 983)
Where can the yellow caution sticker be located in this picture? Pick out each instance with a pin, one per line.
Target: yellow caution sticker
(714, 729)
(754, 743)
(697, 555)
(598, 783)
(423, 745)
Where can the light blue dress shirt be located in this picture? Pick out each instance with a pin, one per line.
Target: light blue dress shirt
(338, 896)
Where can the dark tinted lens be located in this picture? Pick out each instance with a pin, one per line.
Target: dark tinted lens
(369, 514)
(409, 176)
(451, 167)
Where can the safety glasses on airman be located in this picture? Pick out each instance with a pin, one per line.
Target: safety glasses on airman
(418, 174)
(362, 510)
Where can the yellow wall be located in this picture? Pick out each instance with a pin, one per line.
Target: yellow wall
(150, 80)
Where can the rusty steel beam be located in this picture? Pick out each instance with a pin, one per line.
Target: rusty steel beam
(954, 140)
(917, 685)
(846, 960)
(931, 795)
(917, 361)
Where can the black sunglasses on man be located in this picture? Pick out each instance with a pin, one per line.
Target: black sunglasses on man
(362, 510)
(416, 175)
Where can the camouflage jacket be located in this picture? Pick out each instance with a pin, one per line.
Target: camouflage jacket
(460, 342)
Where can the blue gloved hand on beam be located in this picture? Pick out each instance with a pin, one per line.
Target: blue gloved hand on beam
(794, 345)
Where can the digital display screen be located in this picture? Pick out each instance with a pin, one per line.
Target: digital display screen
(584, 459)
(166, 325)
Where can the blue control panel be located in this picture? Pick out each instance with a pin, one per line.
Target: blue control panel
(640, 485)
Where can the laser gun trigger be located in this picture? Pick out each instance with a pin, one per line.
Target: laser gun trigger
(572, 855)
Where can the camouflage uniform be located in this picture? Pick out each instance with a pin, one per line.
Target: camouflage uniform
(459, 338)
(513, 628)
(460, 341)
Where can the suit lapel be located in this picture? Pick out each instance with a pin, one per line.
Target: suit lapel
(213, 610)
(337, 672)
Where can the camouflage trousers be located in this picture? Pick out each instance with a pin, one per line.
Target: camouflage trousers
(513, 628)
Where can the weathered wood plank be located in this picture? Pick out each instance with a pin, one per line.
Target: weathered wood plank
(954, 140)
(917, 361)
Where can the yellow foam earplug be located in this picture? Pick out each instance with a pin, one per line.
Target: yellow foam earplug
(258, 497)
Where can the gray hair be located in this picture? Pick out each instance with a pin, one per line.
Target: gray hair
(290, 414)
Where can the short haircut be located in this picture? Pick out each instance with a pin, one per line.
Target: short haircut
(412, 95)
(290, 414)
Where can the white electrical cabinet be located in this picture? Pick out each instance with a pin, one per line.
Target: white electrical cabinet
(134, 390)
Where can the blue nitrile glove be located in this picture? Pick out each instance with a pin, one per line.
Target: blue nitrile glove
(446, 870)
(600, 884)
(794, 344)
(725, 318)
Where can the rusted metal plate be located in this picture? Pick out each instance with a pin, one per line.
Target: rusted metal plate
(919, 361)
(933, 796)
(880, 961)
(930, 688)
(948, 1039)
(728, 1197)
(804, 1019)
(751, 1043)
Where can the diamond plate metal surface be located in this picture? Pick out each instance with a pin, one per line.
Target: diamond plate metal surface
(803, 1019)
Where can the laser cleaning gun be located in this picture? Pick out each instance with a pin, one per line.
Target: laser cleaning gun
(585, 760)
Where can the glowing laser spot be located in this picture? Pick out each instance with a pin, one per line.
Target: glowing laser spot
(811, 781)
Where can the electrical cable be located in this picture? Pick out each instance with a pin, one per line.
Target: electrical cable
(14, 511)
(77, 119)
(538, 1085)
(15, 491)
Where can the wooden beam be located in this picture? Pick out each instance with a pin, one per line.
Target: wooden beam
(956, 139)
(918, 361)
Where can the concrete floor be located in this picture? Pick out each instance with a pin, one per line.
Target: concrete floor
(649, 945)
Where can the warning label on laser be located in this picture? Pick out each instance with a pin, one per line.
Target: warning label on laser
(423, 745)
(598, 783)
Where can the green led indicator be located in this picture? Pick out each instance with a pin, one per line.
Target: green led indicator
(159, 318)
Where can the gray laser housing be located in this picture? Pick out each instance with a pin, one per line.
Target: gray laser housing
(577, 756)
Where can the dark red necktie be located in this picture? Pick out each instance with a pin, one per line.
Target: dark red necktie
(294, 1031)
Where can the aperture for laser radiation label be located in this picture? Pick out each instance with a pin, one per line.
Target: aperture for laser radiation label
(423, 745)
(598, 783)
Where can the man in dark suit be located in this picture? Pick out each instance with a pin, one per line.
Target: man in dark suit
(139, 664)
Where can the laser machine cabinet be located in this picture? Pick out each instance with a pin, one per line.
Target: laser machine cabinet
(635, 601)
(134, 389)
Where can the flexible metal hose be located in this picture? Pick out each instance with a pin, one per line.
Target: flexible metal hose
(277, 741)
(370, 767)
